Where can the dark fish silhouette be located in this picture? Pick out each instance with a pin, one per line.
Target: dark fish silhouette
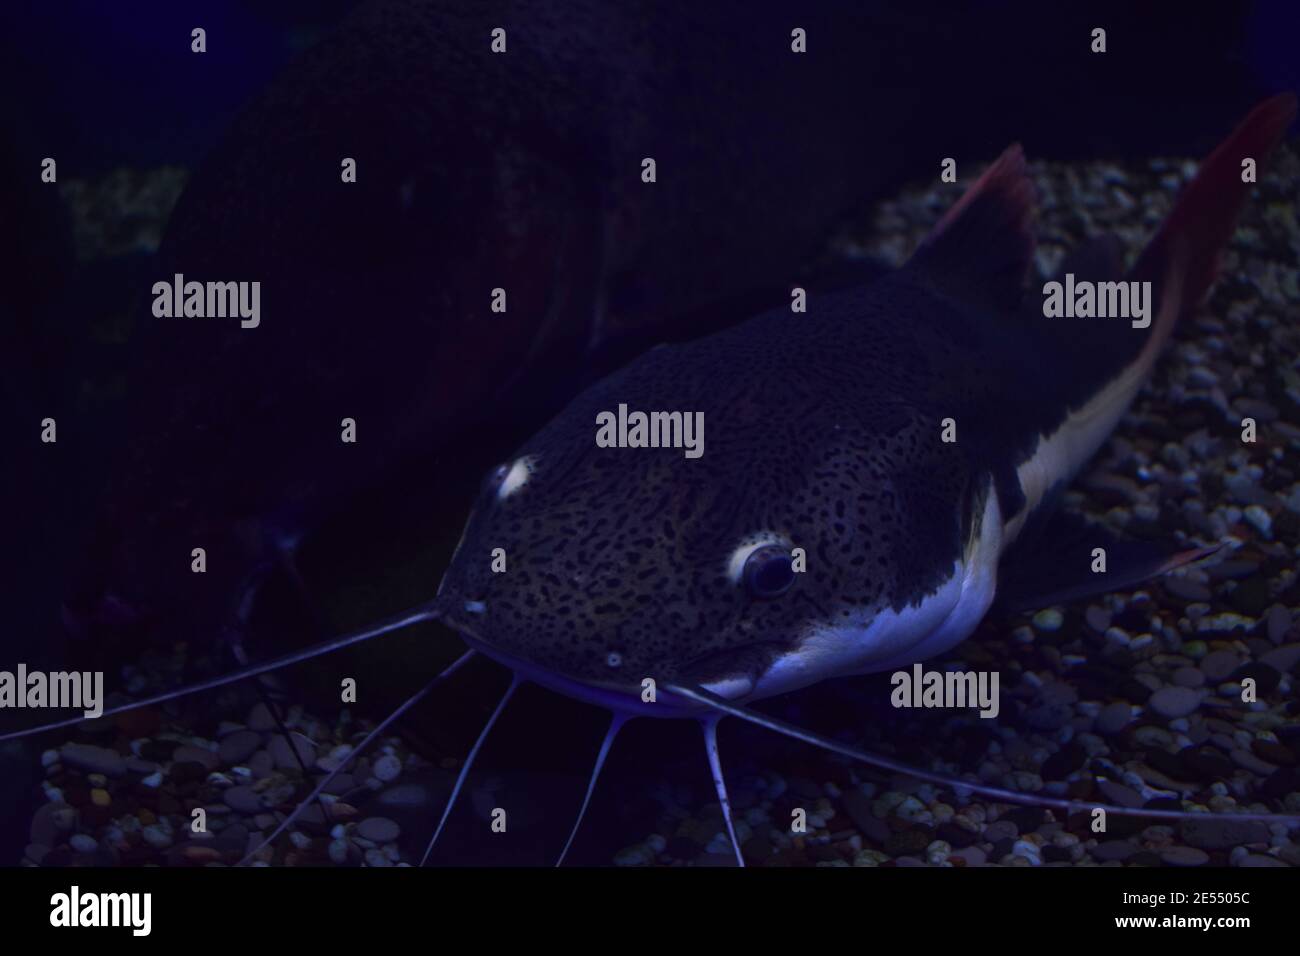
(478, 171)
(636, 565)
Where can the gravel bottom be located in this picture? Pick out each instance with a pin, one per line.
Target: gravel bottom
(124, 792)
(1133, 698)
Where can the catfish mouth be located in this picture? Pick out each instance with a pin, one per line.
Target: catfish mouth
(621, 697)
(733, 672)
(624, 697)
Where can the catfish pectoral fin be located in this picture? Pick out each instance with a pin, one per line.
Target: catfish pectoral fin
(1073, 559)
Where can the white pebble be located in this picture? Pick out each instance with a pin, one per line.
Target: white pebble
(83, 843)
(1260, 519)
(720, 844)
(387, 768)
(1026, 849)
(338, 851)
(157, 836)
(1048, 619)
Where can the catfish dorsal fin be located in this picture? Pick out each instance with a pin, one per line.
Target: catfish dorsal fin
(980, 250)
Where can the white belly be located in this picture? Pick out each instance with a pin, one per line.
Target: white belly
(875, 640)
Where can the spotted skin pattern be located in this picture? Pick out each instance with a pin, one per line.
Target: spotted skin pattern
(625, 551)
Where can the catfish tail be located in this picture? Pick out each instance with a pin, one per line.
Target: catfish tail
(1182, 260)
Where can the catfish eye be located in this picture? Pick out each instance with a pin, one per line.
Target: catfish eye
(769, 571)
(494, 477)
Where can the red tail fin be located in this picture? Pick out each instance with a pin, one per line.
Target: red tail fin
(1182, 260)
